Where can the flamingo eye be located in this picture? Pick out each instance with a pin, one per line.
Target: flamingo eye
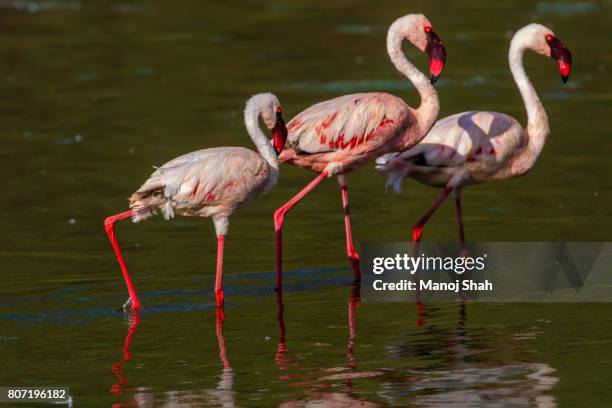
(549, 38)
(427, 29)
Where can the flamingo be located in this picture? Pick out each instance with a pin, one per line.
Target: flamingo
(479, 146)
(210, 183)
(337, 136)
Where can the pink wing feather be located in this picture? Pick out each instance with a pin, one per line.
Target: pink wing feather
(346, 122)
(467, 137)
(213, 180)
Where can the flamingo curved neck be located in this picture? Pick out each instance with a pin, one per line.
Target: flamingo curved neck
(537, 122)
(428, 111)
(263, 144)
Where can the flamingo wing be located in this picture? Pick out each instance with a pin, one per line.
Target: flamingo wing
(225, 176)
(467, 137)
(346, 122)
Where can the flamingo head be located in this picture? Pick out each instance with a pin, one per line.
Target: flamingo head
(417, 29)
(560, 53)
(436, 51)
(279, 131)
(267, 106)
(543, 41)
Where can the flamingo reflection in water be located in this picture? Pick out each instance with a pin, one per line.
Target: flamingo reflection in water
(117, 389)
(458, 379)
(327, 399)
(223, 395)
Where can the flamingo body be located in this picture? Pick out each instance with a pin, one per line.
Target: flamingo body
(347, 131)
(478, 144)
(210, 183)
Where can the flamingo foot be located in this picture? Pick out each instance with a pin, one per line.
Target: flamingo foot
(220, 296)
(354, 261)
(130, 304)
(127, 304)
(417, 233)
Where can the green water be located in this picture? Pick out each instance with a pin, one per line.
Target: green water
(96, 92)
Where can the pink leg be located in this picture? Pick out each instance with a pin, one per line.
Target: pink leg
(417, 232)
(279, 218)
(219, 278)
(353, 256)
(459, 214)
(109, 224)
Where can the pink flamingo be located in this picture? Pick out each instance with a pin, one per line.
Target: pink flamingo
(210, 183)
(475, 147)
(340, 135)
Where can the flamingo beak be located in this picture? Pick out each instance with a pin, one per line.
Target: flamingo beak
(560, 53)
(437, 55)
(279, 133)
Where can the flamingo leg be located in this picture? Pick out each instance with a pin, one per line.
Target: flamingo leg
(109, 224)
(417, 232)
(353, 256)
(279, 218)
(459, 215)
(219, 295)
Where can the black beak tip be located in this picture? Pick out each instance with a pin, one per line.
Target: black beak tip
(564, 78)
(434, 78)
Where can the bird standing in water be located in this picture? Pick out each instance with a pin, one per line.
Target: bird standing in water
(479, 146)
(210, 183)
(335, 137)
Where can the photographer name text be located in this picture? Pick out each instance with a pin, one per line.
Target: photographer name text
(423, 285)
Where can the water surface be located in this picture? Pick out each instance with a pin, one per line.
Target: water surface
(97, 92)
